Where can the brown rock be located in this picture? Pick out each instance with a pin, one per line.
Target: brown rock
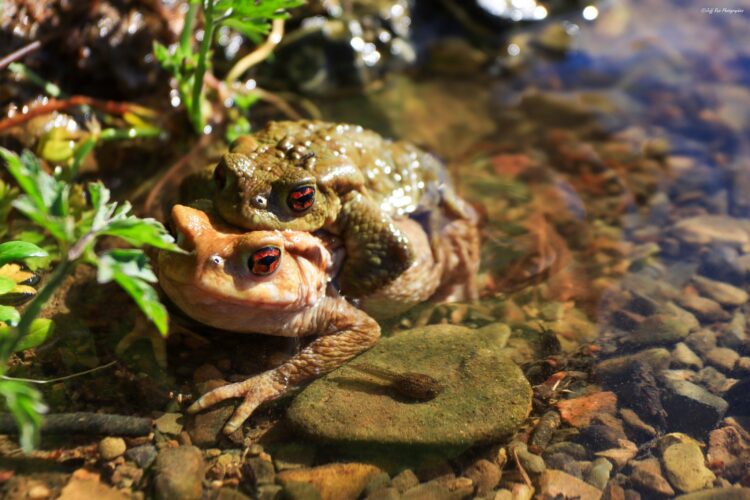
(111, 447)
(647, 475)
(206, 427)
(179, 473)
(558, 484)
(723, 358)
(579, 412)
(334, 481)
(485, 475)
(85, 484)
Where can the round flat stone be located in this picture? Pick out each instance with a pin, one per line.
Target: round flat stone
(485, 395)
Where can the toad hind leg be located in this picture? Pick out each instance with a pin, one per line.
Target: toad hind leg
(344, 332)
(377, 252)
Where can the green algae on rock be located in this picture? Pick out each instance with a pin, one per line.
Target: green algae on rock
(486, 397)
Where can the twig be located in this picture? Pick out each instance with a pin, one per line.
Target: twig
(110, 107)
(20, 53)
(85, 423)
(60, 379)
(259, 54)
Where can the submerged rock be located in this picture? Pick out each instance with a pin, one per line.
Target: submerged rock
(486, 397)
(691, 408)
(332, 481)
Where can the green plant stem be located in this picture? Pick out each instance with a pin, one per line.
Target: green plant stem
(113, 134)
(48, 87)
(187, 27)
(35, 308)
(205, 47)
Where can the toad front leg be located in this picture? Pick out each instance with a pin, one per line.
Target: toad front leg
(377, 252)
(344, 332)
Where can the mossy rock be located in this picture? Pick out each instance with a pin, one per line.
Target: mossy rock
(485, 397)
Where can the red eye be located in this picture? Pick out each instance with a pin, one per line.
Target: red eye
(301, 198)
(265, 261)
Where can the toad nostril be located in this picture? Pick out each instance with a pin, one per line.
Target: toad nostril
(220, 176)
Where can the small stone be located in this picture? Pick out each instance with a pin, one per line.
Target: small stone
(713, 229)
(231, 494)
(722, 358)
(706, 309)
(611, 370)
(691, 408)
(533, 464)
(503, 494)
(39, 492)
(405, 480)
(626, 451)
(337, 480)
(632, 419)
(578, 412)
(558, 484)
(713, 380)
(670, 325)
(111, 448)
(384, 494)
(179, 473)
(293, 456)
(598, 475)
(85, 484)
(701, 341)
(377, 482)
(169, 423)
(542, 434)
(723, 293)
(485, 475)
(648, 476)
(601, 437)
(143, 455)
(743, 365)
(565, 463)
(684, 464)
(268, 492)
(296, 490)
(206, 427)
(575, 450)
(260, 471)
(733, 333)
(613, 491)
(427, 491)
(684, 357)
(730, 493)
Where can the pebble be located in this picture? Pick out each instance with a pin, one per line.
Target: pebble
(542, 434)
(723, 358)
(179, 473)
(427, 491)
(664, 328)
(405, 480)
(575, 450)
(723, 293)
(701, 341)
(565, 463)
(485, 475)
(713, 380)
(533, 464)
(598, 475)
(737, 397)
(111, 448)
(268, 492)
(647, 475)
(612, 370)
(713, 229)
(205, 428)
(231, 494)
(684, 357)
(704, 308)
(377, 482)
(169, 423)
(260, 471)
(293, 456)
(332, 481)
(743, 365)
(579, 412)
(384, 494)
(558, 484)
(684, 464)
(632, 419)
(297, 490)
(143, 455)
(600, 437)
(691, 408)
(718, 494)
(733, 334)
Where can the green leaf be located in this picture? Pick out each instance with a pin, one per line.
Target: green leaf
(130, 269)
(139, 232)
(14, 251)
(25, 176)
(26, 405)
(9, 315)
(39, 332)
(54, 225)
(6, 285)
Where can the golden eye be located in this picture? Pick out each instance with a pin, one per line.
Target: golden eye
(301, 198)
(265, 260)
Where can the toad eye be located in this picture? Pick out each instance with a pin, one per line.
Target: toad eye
(265, 260)
(220, 176)
(301, 198)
